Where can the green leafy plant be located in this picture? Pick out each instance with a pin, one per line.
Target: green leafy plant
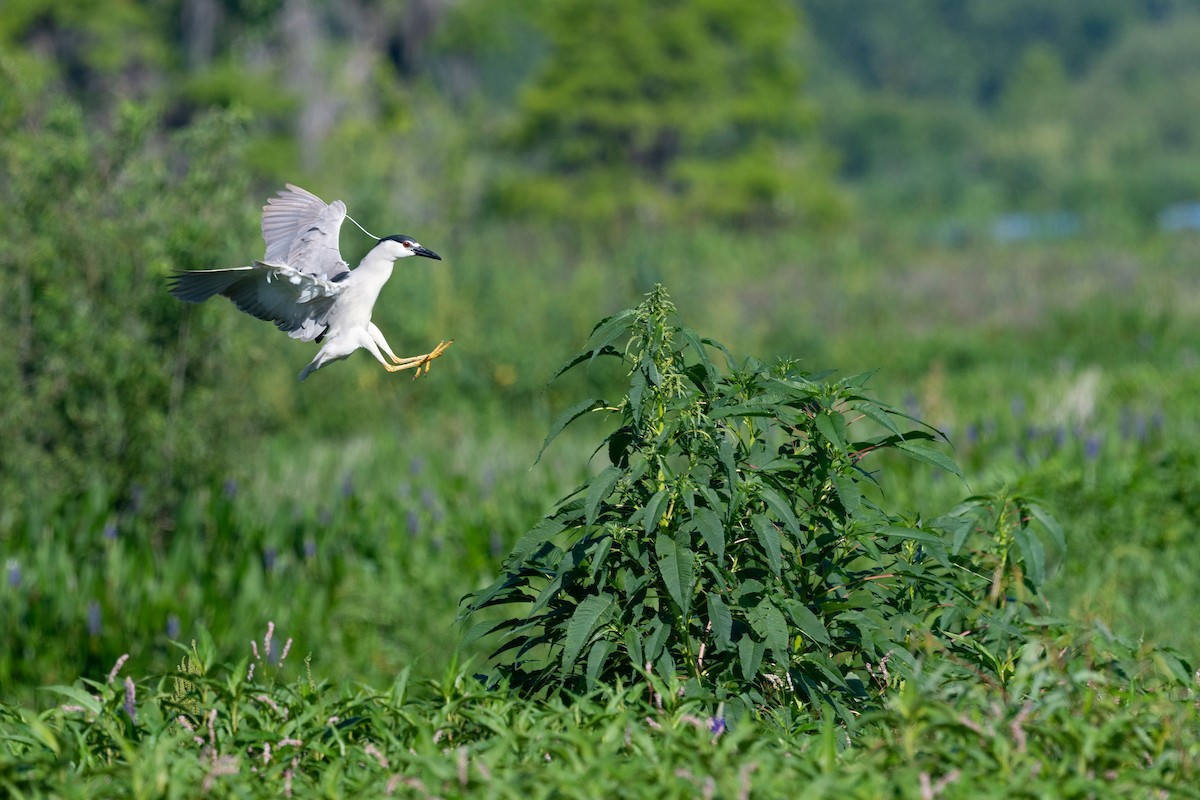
(736, 543)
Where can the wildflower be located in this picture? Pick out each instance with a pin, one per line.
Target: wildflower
(112, 674)
(287, 646)
(310, 547)
(13, 568)
(716, 725)
(971, 434)
(110, 532)
(1092, 448)
(231, 488)
(373, 751)
(268, 558)
(428, 498)
(172, 626)
(94, 622)
(414, 522)
(267, 639)
(130, 698)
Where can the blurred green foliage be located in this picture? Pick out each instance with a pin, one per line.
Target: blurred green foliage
(665, 111)
(104, 384)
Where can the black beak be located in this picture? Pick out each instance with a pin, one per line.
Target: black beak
(425, 251)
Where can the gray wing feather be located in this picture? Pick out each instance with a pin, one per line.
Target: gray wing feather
(295, 301)
(302, 232)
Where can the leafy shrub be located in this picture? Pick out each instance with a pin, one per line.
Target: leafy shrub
(734, 542)
(103, 381)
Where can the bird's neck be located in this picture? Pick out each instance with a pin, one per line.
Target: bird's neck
(374, 269)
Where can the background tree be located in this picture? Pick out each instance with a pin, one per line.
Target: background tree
(665, 110)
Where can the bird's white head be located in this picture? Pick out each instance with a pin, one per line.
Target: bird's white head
(400, 246)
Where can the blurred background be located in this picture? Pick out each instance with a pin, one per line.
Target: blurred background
(995, 203)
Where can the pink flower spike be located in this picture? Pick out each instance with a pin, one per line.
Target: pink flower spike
(287, 646)
(130, 700)
(112, 676)
(267, 640)
(254, 648)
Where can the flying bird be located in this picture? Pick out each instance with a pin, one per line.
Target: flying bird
(305, 288)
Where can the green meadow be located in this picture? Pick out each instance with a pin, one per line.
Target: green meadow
(820, 419)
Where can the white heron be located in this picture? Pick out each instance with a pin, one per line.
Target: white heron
(305, 288)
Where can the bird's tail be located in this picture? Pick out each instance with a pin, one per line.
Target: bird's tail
(196, 286)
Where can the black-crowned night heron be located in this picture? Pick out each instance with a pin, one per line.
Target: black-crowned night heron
(305, 288)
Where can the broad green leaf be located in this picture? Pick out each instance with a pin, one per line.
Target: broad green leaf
(750, 655)
(633, 647)
(768, 539)
(566, 418)
(637, 387)
(587, 617)
(832, 426)
(1051, 525)
(721, 619)
(540, 533)
(676, 568)
(880, 415)
(849, 493)
(600, 488)
(655, 640)
(782, 509)
(930, 455)
(701, 352)
(756, 409)
(712, 530)
(599, 653)
(481, 629)
(1033, 554)
(655, 506)
(934, 545)
(80, 697)
(581, 357)
(768, 622)
(808, 622)
(608, 330)
(725, 454)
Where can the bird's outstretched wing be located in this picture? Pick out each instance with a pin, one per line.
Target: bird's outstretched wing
(302, 232)
(297, 302)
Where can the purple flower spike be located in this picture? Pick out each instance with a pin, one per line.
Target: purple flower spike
(13, 568)
(716, 725)
(94, 621)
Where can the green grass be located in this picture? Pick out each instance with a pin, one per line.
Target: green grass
(1066, 371)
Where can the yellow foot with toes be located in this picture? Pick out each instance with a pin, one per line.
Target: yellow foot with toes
(418, 363)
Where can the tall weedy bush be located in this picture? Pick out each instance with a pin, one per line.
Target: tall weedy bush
(732, 543)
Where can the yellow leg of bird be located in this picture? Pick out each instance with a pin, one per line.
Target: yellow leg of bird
(420, 363)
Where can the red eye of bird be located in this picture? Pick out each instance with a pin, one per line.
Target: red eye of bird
(408, 245)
